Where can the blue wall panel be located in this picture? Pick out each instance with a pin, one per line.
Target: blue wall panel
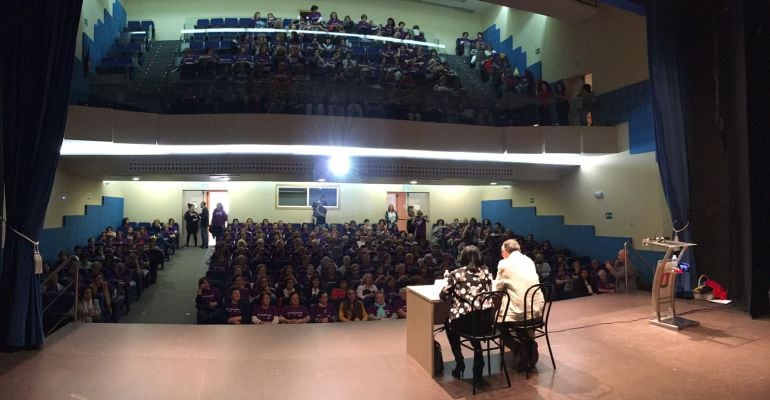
(516, 55)
(632, 104)
(106, 30)
(76, 229)
(580, 239)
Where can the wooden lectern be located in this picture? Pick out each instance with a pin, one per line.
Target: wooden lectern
(664, 285)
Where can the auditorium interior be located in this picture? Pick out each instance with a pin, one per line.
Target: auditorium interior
(174, 168)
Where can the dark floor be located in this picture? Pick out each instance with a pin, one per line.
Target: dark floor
(171, 300)
(604, 348)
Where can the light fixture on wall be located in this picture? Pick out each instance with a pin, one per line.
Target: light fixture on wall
(321, 180)
(493, 183)
(413, 182)
(599, 194)
(136, 178)
(223, 178)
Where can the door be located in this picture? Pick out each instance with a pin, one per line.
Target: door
(211, 197)
(402, 201)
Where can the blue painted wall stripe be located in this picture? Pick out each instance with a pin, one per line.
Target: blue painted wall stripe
(76, 229)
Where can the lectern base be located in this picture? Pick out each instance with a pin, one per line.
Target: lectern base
(676, 323)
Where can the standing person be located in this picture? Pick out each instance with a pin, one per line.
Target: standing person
(420, 223)
(618, 270)
(462, 286)
(218, 222)
(515, 274)
(391, 218)
(410, 219)
(192, 221)
(204, 226)
(319, 211)
(585, 105)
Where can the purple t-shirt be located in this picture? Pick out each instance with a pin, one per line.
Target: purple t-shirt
(318, 312)
(218, 217)
(265, 314)
(397, 305)
(298, 312)
(233, 310)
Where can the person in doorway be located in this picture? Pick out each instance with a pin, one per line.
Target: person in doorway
(391, 218)
(192, 220)
(410, 220)
(204, 225)
(319, 211)
(218, 222)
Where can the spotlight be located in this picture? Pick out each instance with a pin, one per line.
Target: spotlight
(339, 165)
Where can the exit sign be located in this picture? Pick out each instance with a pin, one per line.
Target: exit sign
(608, 215)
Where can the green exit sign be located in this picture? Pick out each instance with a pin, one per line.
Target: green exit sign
(608, 215)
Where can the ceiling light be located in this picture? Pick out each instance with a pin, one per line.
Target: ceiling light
(493, 183)
(413, 182)
(339, 165)
(93, 148)
(321, 180)
(136, 178)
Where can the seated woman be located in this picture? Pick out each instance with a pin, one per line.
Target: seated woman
(398, 306)
(379, 310)
(264, 312)
(338, 293)
(207, 302)
(323, 311)
(583, 285)
(603, 285)
(462, 286)
(367, 288)
(236, 310)
(294, 313)
(312, 291)
(88, 307)
(352, 309)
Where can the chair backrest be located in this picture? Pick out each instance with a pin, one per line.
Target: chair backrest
(132, 26)
(202, 23)
(231, 22)
(532, 303)
(496, 303)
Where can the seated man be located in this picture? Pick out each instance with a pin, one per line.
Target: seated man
(515, 274)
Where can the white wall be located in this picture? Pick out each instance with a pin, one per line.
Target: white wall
(72, 193)
(145, 201)
(632, 192)
(527, 29)
(441, 23)
(611, 44)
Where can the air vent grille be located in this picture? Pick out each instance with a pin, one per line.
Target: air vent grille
(213, 167)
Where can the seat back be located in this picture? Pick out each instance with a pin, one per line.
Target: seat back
(532, 301)
(487, 307)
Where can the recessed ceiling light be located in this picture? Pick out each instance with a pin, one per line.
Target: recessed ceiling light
(413, 182)
(136, 178)
(493, 183)
(321, 180)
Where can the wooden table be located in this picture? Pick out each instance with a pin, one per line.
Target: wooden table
(426, 310)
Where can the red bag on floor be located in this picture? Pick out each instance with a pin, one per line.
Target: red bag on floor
(720, 293)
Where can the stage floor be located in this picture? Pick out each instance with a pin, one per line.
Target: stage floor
(599, 354)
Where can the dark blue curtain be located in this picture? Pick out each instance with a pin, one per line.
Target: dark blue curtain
(38, 46)
(665, 46)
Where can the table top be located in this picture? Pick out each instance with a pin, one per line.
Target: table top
(429, 293)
